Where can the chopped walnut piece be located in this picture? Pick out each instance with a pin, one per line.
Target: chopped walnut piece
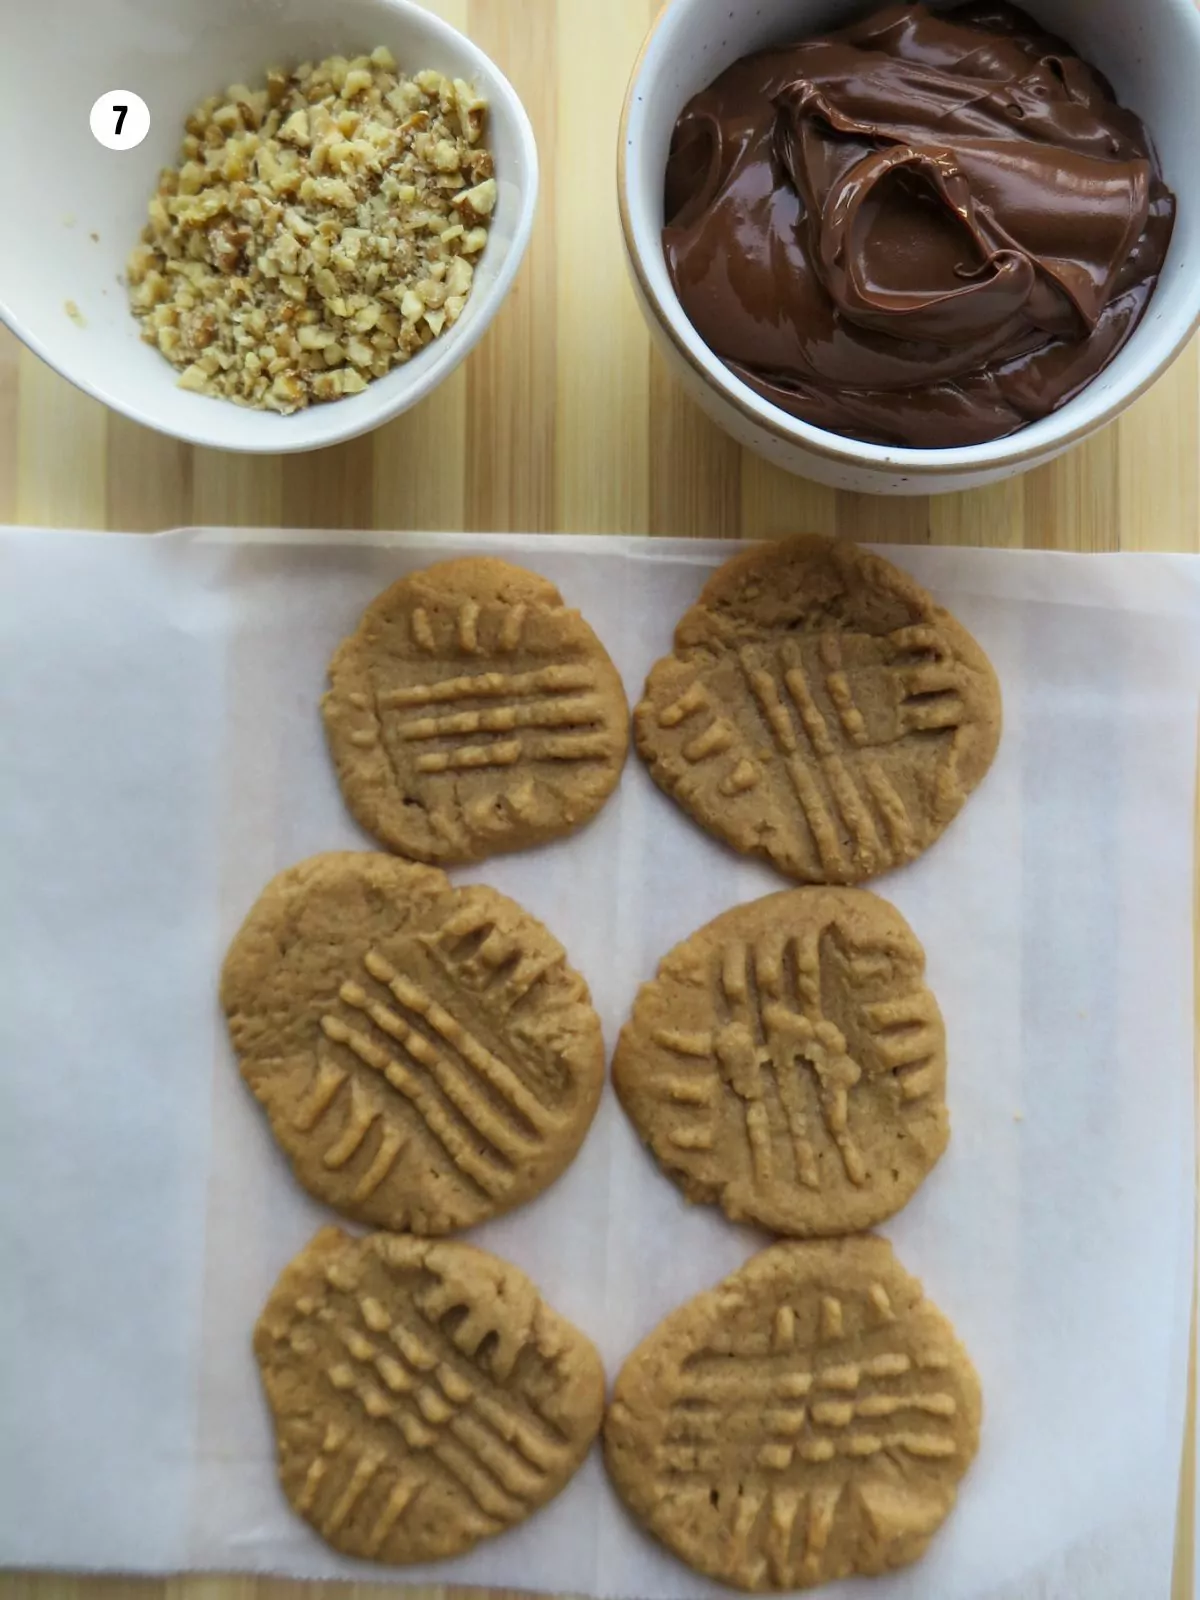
(316, 231)
(478, 202)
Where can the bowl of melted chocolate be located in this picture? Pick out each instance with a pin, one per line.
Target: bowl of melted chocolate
(916, 248)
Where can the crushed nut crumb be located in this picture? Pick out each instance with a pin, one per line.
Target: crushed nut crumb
(316, 233)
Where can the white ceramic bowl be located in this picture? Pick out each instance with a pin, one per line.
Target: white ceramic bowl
(1151, 51)
(58, 187)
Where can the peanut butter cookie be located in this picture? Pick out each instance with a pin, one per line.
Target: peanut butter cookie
(820, 709)
(424, 1395)
(788, 1062)
(807, 1419)
(426, 1056)
(471, 712)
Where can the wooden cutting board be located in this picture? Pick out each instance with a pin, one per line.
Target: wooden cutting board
(564, 420)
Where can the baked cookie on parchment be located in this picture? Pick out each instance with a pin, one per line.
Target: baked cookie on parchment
(425, 1054)
(472, 712)
(820, 709)
(807, 1419)
(788, 1062)
(424, 1395)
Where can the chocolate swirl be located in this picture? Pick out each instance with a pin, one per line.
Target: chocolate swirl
(927, 229)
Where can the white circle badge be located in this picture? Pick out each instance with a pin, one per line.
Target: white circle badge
(120, 119)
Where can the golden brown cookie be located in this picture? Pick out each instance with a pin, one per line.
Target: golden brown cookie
(424, 1394)
(788, 1062)
(472, 712)
(807, 1419)
(820, 709)
(425, 1054)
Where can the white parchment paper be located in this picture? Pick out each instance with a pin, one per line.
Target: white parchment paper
(161, 757)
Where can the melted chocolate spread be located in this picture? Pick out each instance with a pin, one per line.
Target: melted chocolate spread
(928, 229)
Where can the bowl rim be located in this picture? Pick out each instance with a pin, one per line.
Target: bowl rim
(836, 447)
(456, 346)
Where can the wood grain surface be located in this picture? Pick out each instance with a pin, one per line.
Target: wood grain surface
(564, 420)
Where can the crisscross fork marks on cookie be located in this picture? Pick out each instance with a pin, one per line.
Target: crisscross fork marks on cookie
(774, 1414)
(772, 969)
(932, 684)
(787, 1062)
(512, 627)
(397, 1503)
(484, 1172)
(784, 1508)
(855, 793)
(739, 1049)
(893, 813)
(690, 1092)
(767, 1028)
(786, 1531)
(820, 710)
(902, 1030)
(544, 702)
(837, 686)
(805, 743)
(491, 1451)
(467, 625)
(411, 1095)
(391, 1145)
(500, 1123)
(489, 1351)
(508, 752)
(360, 1118)
(471, 757)
(318, 1470)
(715, 739)
(356, 1477)
(487, 958)
(906, 1034)
(473, 712)
(805, 1035)
(365, 1468)
(522, 1104)
(562, 712)
(750, 980)
(433, 1393)
(812, 804)
(422, 632)
(933, 687)
(566, 678)
(465, 633)
(783, 1438)
(697, 1045)
(746, 1507)
(786, 1033)
(497, 1434)
(322, 1091)
(472, 1323)
(758, 1409)
(807, 1418)
(362, 1115)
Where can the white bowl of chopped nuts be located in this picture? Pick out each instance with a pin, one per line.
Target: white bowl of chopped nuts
(280, 264)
